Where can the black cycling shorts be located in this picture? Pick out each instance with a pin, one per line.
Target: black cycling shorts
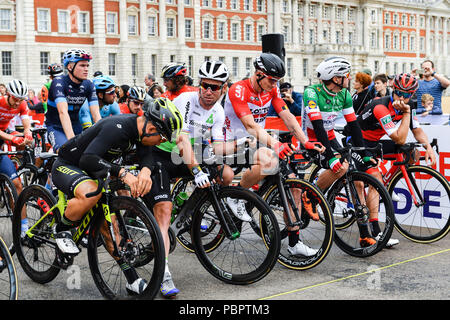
(67, 177)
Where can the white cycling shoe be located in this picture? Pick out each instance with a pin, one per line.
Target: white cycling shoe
(238, 208)
(301, 249)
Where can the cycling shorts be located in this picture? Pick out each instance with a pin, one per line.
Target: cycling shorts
(7, 167)
(67, 177)
(57, 137)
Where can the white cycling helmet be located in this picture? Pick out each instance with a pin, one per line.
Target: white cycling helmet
(18, 89)
(333, 67)
(214, 70)
(136, 93)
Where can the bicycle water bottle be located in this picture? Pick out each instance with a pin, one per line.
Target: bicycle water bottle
(178, 203)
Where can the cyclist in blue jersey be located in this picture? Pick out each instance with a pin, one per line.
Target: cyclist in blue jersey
(106, 94)
(66, 96)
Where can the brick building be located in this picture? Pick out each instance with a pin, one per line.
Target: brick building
(129, 38)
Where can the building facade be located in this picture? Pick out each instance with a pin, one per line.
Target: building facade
(130, 38)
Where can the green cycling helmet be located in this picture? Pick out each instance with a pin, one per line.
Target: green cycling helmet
(165, 117)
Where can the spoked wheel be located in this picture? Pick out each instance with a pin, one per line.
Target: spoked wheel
(141, 247)
(8, 276)
(8, 199)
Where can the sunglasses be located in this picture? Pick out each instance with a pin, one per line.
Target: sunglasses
(405, 95)
(140, 103)
(110, 92)
(213, 87)
(154, 135)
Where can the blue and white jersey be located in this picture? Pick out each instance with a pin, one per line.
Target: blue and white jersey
(106, 111)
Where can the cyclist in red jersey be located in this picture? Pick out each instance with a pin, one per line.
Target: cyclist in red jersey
(135, 101)
(175, 80)
(246, 107)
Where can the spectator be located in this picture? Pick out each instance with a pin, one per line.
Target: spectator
(156, 91)
(149, 81)
(293, 100)
(32, 99)
(432, 84)
(362, 95)
(123, 93)
(427, 103)
(381, 85)
(2, 90)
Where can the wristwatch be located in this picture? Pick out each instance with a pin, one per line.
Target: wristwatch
(195, 170)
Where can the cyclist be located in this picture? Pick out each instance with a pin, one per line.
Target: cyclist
(11, 105)
(392, 116)
(323, 103)
(66, 96)
(106, 94)
(136, 96)
(175, 80)
(89, 153)
(203, 119)
(246, 106)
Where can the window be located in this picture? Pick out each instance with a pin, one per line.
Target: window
(261, 31)
(387, 41)
(222, 59)
(235, 31)
(111, 23)
(338, 13)
(44, 62)
(188, 28)
(83, 22)
(286, 33)
(206, 3)
(312, 10)
(325, 34)
(247, 5)
(350, 37)
(395, 20)
(387, 17)
(248, 65)
(373, 16)
(235, 67)
(289, 67)
(207, 58)
(285, 6)
(351, 14)
(220, 3)
(43, 20)
(154, 63)
(422, 22)
(338, 37)
(151, 25)
(326, 12)
(190, 65)
(388, 68)
(412, 43)
(170, 1)
(173, 58)
(376, 66)
(171, 27)
(187, 2)
(260, 5)
(311, 36)
(403, 20)
(132, 25)
(206, 29)
(234, 4)
(395, 40)
(373, 40)
(404, 42)
(395, 68)
(6, 63)
(134, 62)
(412, 21)
(5, 20)
(221, 30)
(248, 32)
(422, 44)
(305, 68)
(112, 64)
(63, 21)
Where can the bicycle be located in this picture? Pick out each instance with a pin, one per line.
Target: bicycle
(233, 251)
(131, 233)
(8, 275)
(422, 187)
(349, 197)
(8, 199)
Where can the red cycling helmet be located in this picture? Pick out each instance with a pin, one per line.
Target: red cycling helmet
(406, 82)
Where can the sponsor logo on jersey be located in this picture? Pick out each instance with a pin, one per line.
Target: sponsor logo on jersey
(387, 123)
(312, 104)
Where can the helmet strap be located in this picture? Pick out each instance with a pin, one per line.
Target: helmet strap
(260, 78)
(71, 72)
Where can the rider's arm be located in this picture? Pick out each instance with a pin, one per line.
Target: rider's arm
(186, 152)
(93, 103)
(398, 135)
(257, 131)
(422, 138)
(293, 126)
(66, 123)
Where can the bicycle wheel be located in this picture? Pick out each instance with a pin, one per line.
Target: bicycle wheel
(36, 254)
(248, 256)
(8, 198)
(345, 212)
(430, 220)
(184, 235)
(8, 276)
(317, 235)
(142, 250)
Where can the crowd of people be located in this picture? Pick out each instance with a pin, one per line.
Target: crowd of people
(85, 129)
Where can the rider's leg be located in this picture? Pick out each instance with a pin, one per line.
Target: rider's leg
(265, 162)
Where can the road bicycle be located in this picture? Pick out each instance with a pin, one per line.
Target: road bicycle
(8, 199)
(8, 275)
(421, 196)
(119, 227)
(351, 198)
(230, 249)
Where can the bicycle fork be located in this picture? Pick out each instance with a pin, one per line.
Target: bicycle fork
(287, 199)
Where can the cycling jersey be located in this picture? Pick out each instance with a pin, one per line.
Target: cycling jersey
(242, 100)
(379, 118)
(105, 111)
(321, 104)
(198, 122)
(172, 95)
(7, 113)
(63, 89)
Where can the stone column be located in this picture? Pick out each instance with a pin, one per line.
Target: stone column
(100, 58)
(333, 24)
(276, 16)
(295, 23)
(319, 23)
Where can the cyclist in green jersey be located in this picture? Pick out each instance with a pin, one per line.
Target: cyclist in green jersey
(54, 70)
(322, 105)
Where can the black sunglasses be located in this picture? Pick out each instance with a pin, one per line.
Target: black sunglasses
(403, 94)
(213, 87)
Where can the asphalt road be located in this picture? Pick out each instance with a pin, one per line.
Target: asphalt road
(409, 271)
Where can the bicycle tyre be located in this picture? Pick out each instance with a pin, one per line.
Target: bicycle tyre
(219, 263)
(104, 267)
(9, 287)
(414, 233)
(184, 237)
(42, 245)
(309, 229)
(8, 199)
(347, 239)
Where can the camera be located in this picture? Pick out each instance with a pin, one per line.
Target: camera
(283, 95)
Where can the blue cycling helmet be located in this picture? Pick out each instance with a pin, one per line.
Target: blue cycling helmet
(103, 82)
(75, 55)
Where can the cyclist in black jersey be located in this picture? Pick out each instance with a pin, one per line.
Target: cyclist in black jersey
(90, 154)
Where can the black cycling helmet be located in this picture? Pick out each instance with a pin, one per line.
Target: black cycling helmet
(406, 82)
(55, 69)
(165, 117)
(270, 64)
